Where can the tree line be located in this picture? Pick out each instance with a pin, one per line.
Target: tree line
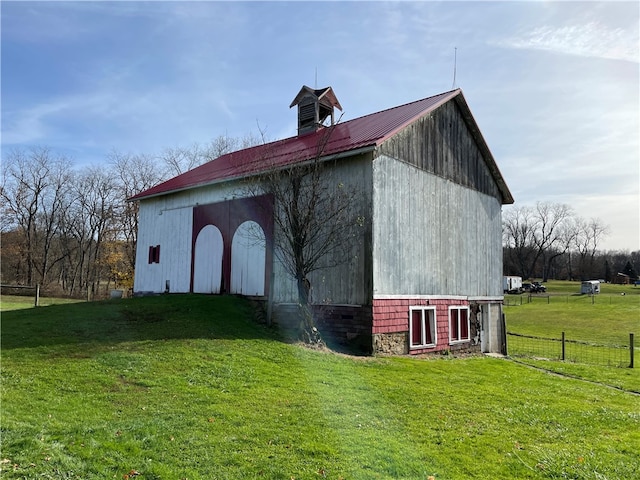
(70, 228)
(548, 240)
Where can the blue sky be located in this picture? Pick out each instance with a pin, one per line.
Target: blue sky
(554, 86)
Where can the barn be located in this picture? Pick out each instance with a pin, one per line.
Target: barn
(424, 269)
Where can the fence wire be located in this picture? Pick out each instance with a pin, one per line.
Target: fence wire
(563, 349)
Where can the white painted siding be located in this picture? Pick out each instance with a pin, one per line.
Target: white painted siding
(171, 229)
(432, 236)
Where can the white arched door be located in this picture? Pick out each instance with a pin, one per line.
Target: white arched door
(248, 257)
(207, 263)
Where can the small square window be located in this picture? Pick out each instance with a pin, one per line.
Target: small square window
(154, 254)
(422, 327)
(458, 324)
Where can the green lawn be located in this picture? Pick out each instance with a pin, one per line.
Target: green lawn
(187, 386)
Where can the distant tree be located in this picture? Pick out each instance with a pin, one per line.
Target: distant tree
(537, 238)
(588, 235)
(629, 270)
(96, 199)
(553, 234)
(518, 231)
(178, 160)
(12, 260)
(116, 264)
(607, 271)
(534, 237)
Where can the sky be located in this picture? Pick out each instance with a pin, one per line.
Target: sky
(553, 85)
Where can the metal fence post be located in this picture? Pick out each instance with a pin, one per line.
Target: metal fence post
(631, 350)
(563, 348)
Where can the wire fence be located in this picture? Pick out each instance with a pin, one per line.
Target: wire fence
(569, 298)
(576, 351)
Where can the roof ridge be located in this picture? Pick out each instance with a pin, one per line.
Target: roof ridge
(286, 139)
(403, 105)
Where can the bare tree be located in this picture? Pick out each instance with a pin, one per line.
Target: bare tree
(535, 237)
(96, 201)
(552, 239)
(178, 160)
(34, 195)
(314, 222)
(518, 231)
(588, 235)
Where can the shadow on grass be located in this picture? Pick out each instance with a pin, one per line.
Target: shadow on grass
(136, 319)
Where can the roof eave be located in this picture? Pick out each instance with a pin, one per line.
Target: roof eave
(334, 156)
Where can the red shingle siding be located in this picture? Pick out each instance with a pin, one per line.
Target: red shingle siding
(392, 316)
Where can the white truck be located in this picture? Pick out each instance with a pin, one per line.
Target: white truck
(511, 284)
(590, 287)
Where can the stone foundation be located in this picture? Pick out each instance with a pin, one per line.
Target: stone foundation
(391, 343)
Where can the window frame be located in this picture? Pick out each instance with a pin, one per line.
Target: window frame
(458, 328)
(428, 320)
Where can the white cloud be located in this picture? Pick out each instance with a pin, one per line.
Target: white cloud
(587, 40)
(29, 125)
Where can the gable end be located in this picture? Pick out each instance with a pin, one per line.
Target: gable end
(447, 143)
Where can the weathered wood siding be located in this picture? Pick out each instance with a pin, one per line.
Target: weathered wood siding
(437, 211)
(442, 144)
(351, 282)
(432, 236)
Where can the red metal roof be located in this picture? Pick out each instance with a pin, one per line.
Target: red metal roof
(367, 131)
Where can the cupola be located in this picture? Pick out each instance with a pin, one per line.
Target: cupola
(314, 107)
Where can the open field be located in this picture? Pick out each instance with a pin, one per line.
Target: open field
(605, 319)
(187, 386)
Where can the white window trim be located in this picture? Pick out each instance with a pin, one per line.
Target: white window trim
(428, 318)
(462, 340)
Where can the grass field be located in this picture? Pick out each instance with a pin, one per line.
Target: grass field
(604, 319)
(15, 302)
(190, 387)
